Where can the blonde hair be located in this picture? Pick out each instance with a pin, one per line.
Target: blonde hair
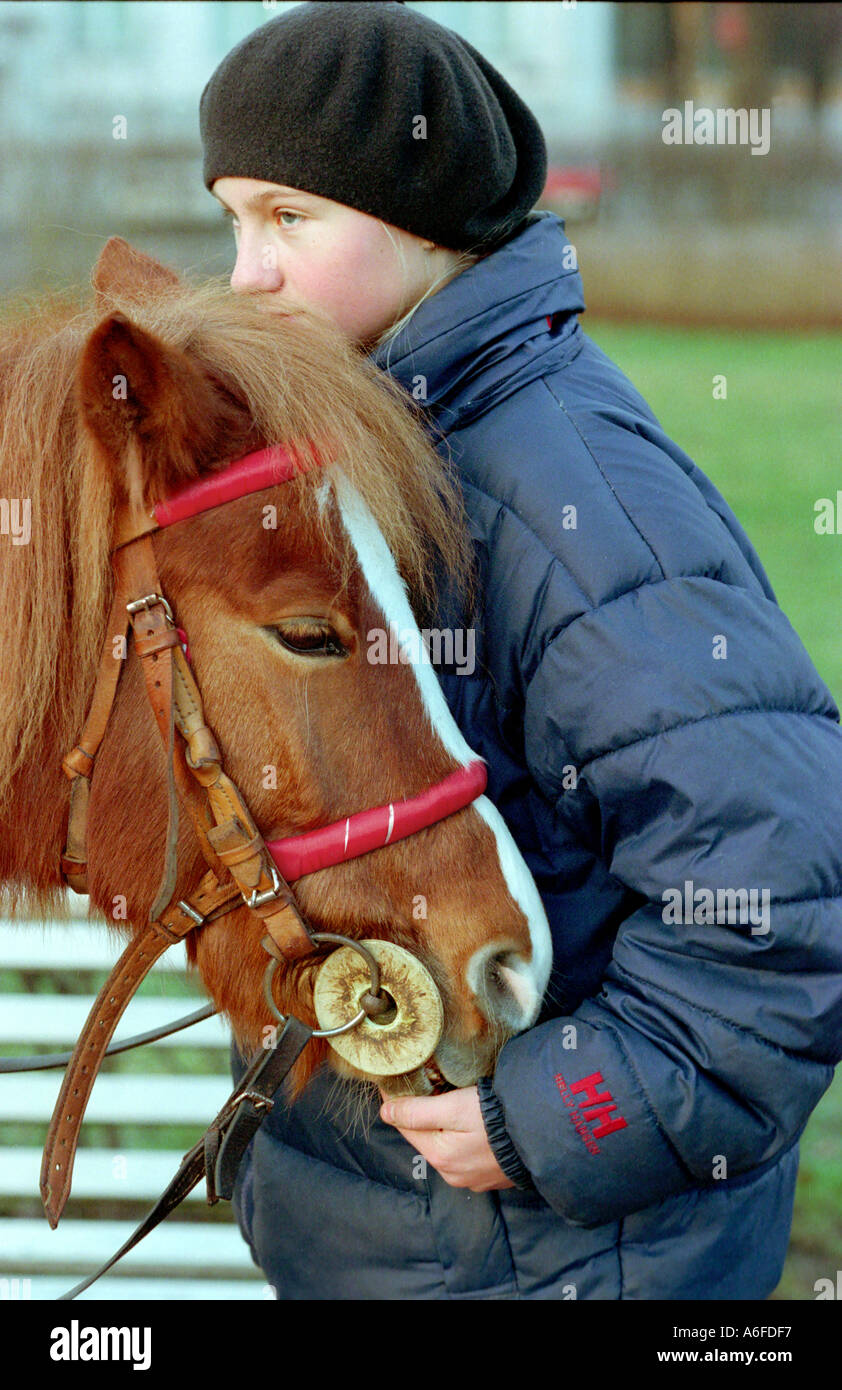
(464, 260)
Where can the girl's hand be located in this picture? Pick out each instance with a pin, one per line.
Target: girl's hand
(448, 1131)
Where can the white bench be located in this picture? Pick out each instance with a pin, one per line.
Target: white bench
(203, 1257)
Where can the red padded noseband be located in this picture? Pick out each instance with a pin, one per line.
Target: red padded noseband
(297, 855)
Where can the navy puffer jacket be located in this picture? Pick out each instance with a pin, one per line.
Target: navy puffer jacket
(656, 735)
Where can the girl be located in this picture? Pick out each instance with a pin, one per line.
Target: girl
(663, 751)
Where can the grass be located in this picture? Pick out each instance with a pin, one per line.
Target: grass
(772, 449)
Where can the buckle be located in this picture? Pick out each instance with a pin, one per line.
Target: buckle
(260, 1102)
(269, 894)
(191, 912)
(149, 601)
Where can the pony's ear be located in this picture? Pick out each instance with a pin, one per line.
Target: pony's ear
(124, 272)
(154, 413)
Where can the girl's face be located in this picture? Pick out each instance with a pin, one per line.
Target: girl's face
(298, 250)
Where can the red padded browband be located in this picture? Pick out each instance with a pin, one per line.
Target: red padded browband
(297, 855)
(263, 469)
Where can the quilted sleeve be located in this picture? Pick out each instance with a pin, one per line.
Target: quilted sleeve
(712, 755)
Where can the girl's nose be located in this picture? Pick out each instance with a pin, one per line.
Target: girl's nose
(257, 267)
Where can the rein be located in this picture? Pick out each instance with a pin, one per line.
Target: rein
(242, 866)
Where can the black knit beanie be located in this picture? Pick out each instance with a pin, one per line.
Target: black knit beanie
(377, 107)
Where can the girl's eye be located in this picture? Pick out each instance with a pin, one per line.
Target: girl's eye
(308, 637)
(286, 212)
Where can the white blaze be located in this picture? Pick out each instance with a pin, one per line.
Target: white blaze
(389, 592)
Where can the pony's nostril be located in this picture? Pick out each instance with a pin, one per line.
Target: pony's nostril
(507, 979)
(504, 984)
(494, 976)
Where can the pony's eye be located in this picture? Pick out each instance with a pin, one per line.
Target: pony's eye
(309, 637)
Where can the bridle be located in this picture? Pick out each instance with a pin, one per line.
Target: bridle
(242, 866)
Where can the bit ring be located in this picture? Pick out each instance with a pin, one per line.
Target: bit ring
(325, 938)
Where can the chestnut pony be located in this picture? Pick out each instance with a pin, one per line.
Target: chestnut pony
(123, 403)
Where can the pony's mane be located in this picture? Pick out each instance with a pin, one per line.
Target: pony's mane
(300, 381)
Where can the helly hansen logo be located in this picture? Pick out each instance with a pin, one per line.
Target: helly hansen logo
(589, 1102)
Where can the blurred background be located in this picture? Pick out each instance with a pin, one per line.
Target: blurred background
(701, 263)
(709, 232)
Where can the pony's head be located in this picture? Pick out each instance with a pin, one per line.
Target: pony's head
(294, 599)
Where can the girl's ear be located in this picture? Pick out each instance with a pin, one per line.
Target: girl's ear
(122, 272)
(151, 410)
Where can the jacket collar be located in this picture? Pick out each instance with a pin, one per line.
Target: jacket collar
(486, 333)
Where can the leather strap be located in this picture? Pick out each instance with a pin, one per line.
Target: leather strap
(79, 763)
(80, 760)
(137, 574)
(108, 1008)
(74, 861)
(48, 1061)
(218, 1153)
(129, 525)
(189, 1174)
(265, 1074)
(242, 850)
(155, 638)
